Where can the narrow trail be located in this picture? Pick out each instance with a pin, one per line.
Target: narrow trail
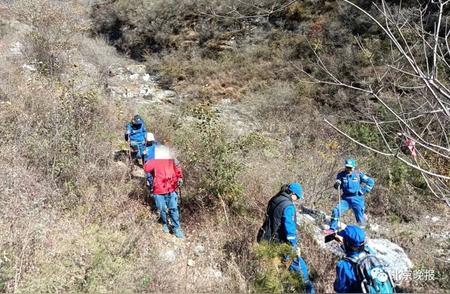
(189, 257)
(187, 264)
(204, 260)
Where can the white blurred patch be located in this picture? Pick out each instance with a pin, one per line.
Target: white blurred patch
(163, 152)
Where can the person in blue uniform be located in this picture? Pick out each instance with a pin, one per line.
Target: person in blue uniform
(280, 226)
(354, 185)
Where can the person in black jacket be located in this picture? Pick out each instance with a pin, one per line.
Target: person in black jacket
(280, 226)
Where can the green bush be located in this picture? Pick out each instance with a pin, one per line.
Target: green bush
(60, 132)
(208, 158)
(365, 133)
(273, 274)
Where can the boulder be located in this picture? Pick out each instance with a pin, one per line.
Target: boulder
(169, 256)
(16, 48)
(137, 69)
(199, 250)
(213, 273)
(392, 255)
(146, 78)
(191, 35)
(116, 70)
(134, 77)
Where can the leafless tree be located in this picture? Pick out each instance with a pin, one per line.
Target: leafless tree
(408, 96)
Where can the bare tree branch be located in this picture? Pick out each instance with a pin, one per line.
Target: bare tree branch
(396, 155)
(356, 141)
(411, 89)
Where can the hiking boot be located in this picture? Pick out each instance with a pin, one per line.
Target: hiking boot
(165, 229)
(179, 234)
(328, 231)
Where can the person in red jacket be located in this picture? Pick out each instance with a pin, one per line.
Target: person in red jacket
(166, 177)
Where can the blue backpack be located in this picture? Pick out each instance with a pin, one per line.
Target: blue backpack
(372, 274)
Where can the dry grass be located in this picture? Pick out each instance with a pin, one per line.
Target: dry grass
(73, 220)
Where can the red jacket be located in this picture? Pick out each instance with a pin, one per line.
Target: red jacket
(165, 175)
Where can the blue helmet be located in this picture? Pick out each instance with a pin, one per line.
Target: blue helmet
(353, 235)
(350, 163)
(297, 189)
(137, 120)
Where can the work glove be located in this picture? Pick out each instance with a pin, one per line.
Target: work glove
(364, 190)
(150, 186)
(180, 182)
(337, 184)
(338, 238)
(298, 252)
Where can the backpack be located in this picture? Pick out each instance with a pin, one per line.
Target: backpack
(372, 275)
(265, 232)
(269, 231)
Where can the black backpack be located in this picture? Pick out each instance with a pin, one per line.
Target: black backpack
(264, 233)
(269, 231)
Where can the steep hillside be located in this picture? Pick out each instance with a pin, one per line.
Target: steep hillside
(222, 83)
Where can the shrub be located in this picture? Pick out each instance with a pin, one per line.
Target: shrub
(6, 272)
(63, 131)
(273, 274)
(90, 261)
(54, 24)
(366, 134)
(208, 159)
(157, 26)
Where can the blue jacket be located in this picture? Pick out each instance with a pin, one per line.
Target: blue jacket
(346, 281)
(149, 154)
(289, 225)
(136, 134)
(351, 183)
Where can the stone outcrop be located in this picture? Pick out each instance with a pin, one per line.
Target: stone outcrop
(133, 82)
(396, 260)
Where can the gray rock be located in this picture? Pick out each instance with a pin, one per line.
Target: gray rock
(435, 219)
(391, 254)
(16, 49)
(115, 70)
(199, 250)
(163, 94)
(213, 273)
(133, 77)
(138, 69)
(148, 91)
(169, 256)
(146, 78)
(134, 83)
(131, 94)
(374, 227)
(29, 67)
(117, 90)
(394, 257)
(138, 173)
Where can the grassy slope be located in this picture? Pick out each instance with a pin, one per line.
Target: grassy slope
(73, 221)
